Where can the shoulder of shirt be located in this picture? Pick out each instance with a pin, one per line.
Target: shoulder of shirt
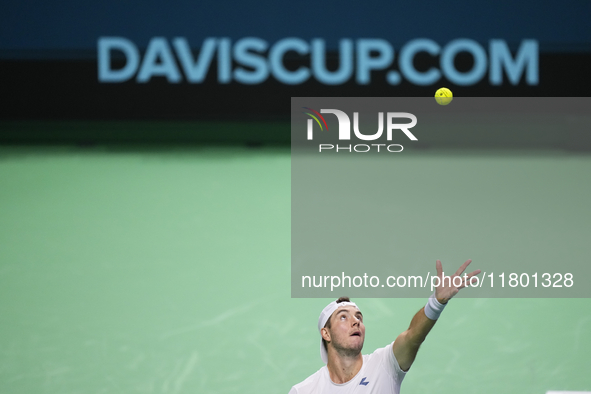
(386, 357)
(376, 353)
(309, 383)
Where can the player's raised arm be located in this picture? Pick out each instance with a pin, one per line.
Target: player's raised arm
(407, 344)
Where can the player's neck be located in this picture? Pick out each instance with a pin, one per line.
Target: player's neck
(344, 368)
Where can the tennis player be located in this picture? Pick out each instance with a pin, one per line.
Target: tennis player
(342, 334)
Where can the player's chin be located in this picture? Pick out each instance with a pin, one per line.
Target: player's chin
(357, 347)
(356, 341)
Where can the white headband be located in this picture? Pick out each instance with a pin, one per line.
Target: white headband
(324, 316)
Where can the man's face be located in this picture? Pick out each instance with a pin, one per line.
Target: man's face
(347, 331)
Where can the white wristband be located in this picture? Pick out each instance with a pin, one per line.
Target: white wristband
(433, 308)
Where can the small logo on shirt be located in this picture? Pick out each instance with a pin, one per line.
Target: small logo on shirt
(363, 382)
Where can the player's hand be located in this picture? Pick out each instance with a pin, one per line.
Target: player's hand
(446, 289)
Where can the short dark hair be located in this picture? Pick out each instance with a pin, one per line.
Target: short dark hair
(327, 325)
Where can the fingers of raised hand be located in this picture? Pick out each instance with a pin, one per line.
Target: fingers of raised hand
(468, 279)
(473, 273)
(463, 267)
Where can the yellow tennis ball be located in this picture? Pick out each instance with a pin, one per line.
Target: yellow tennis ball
(443, 96)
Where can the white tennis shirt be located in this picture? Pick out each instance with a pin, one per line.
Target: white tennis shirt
(380, 373)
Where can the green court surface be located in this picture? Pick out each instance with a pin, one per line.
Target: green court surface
(168, 271)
